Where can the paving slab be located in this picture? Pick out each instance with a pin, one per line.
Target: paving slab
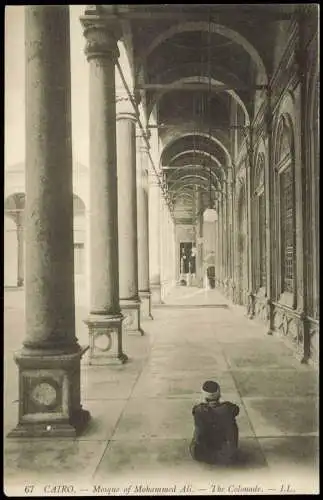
(141, 411)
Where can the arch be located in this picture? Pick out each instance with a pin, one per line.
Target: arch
(194, 178)
(285, 116)
(177, 170)
(199, 79)
(284, 144)
(196, 152)
(78, 205)
(184, 189)
(258, 207)
(184, 195)
(284, 163)
(205, 27)
(173, 139)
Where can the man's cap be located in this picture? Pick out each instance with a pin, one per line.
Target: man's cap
(211, 387)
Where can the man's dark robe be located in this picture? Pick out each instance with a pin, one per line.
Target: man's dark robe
(215, 437)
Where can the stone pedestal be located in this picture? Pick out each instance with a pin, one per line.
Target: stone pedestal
(105, 339)
(51, 388)
(145, 307)
(131, 312)
(49, 362)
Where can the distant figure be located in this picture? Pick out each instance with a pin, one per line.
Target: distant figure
(210, 272)
(216, 432)
(183, 262)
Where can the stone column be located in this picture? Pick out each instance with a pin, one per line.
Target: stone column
(105, 318)
(199, 242)
(225, 238)
(216, 247)
(162, 239)
(302, 195)
(171, 250)
(20, 249)
(233, 234)
(250, 225)
(49, 362)
(143, 226)
(270, 218)
(127, 213)
(154, 239)
(221, 217)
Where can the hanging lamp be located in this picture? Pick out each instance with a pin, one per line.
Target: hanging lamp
(209, 214)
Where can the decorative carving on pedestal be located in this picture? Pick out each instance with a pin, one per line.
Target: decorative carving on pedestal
(44, 394)
(101, 333)
(129, 320)
(51, 396)
(103, 341)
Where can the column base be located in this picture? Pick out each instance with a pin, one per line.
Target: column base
(131, 312)
(145, 306)
(49, 395)
(102, 330)
(156, 294)
(51, 429)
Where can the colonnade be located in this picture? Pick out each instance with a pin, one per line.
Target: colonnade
(118, 220)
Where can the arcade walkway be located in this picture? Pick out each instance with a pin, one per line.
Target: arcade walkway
(141, 412)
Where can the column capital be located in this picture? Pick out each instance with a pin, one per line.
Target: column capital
(124, 106)
(142, 140)
(101, 36)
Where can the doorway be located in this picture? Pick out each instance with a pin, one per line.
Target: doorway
(187, 258)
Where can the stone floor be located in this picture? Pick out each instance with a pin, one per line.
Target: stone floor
(141, 412)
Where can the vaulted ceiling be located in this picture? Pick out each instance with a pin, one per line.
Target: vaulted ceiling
(199, 69)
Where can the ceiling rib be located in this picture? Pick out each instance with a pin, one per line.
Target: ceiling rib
(219, 87)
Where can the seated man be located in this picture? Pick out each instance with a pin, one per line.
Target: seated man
(215, 437)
